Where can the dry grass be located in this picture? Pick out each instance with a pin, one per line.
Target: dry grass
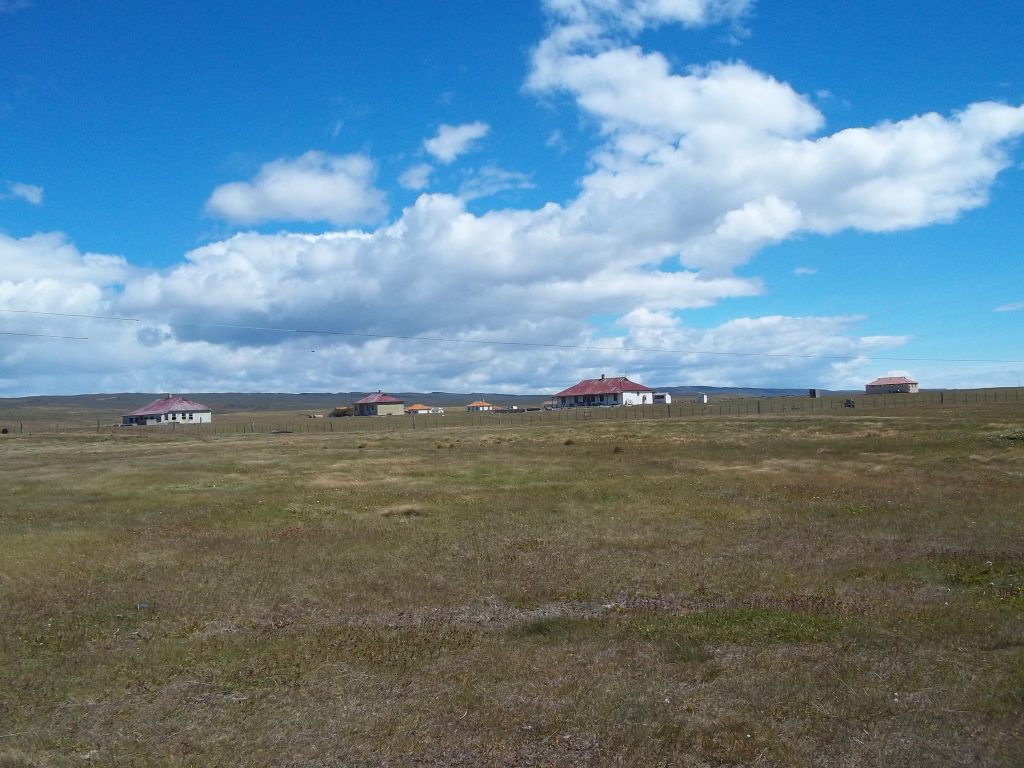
(841, 589)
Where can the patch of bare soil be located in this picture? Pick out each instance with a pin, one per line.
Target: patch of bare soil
(403, 510)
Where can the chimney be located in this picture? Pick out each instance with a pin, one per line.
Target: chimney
(602, 376)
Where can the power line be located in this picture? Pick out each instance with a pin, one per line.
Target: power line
(43, 336)
(493, 342)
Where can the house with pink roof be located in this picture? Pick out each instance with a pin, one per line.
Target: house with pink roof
(891, 384)
(379, 404)
(169, 409)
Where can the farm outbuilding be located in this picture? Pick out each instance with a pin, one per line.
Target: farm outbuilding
(603, 391)
(479, 405)
(379, 404)
(420, 408)
(890, 385)
(169, 409)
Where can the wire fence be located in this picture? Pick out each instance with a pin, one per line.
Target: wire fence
(229, 424)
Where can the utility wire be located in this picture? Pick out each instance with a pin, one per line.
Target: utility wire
(43, 335)
(494, 342)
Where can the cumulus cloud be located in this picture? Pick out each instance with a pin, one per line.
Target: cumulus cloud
(715, 162)
(30, 193)
(51, 256)
(313, 187)
(452, 141)
(43, 277)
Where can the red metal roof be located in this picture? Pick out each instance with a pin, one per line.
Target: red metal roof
(479, 404)
(379, 398)
(604, 386)
(170, 404)
(891, 380)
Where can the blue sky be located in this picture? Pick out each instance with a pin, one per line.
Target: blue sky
(716, 192)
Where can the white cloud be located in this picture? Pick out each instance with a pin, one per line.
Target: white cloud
(626, 89)
(490, 180)
(30, 193)
(452, 141)
(592, 20)
(804, 271)
(1014, 306)
(313, 187)
(716, 162)
(51, 257)
(46, 274)
(416, 177)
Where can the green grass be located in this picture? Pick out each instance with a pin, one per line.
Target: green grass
(833, 589)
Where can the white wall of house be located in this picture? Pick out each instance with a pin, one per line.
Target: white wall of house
(637, 398)
(183, 417)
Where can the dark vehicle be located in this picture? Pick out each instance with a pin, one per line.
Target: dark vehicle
(849, 404)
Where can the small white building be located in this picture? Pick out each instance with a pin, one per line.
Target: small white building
(662, 398)
(420, 409)
(891, 385)
(479, 405)
(169, 409)
(603, 391)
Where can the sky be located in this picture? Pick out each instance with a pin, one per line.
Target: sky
(352, 195)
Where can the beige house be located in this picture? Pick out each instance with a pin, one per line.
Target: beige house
(379, 404)
(891, 384)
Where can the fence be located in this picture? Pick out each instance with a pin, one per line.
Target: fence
(228, 424)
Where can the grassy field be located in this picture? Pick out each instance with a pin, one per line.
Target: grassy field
(804, 589)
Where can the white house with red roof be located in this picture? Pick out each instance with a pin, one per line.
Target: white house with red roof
(169, 409)
(420, 409)
(891, 384)
(479, 405)
(379, 404)
(603, 391)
